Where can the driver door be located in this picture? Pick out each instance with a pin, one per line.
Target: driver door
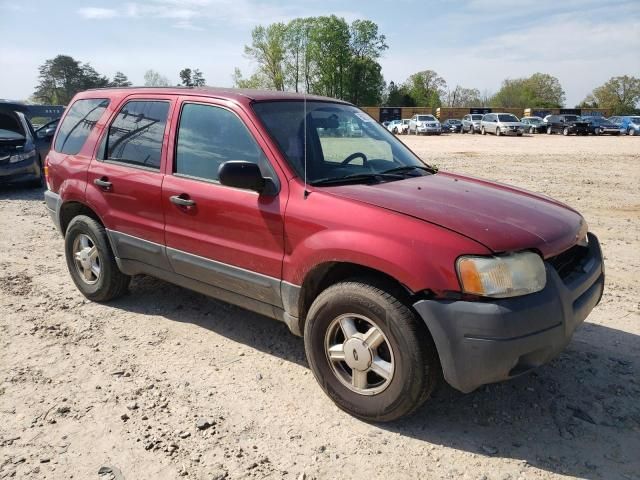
(226, 237)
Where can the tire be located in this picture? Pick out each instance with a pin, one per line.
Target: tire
(597, 131)
(395, 130)
(109, 282)
(472, 130)
(405, 341)
(483, 131)
(498, 132)
(565, 131)
(632, 132)
(40, 182)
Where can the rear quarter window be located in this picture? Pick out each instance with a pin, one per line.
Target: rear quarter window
(78, 123)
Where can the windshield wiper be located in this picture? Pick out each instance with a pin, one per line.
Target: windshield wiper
(357, 178)
(408, 168)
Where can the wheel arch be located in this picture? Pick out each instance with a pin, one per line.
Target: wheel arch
(73, 208)
(326, 274)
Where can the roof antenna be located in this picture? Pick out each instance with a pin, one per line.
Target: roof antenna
(304, 101)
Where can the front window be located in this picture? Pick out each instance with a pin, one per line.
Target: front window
(336, 140)
(508, 118)
(476, 117)
(426, 118)
(571, 118)
(635, 120)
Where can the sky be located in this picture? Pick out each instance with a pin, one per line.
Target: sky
(472, 43)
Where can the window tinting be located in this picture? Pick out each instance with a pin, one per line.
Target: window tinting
(135, 136)
(507, 118)
(78, 123)
(208, 136)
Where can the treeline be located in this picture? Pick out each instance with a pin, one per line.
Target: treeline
(318, 55)
(63, 76)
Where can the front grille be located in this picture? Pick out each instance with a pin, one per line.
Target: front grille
(569, 261)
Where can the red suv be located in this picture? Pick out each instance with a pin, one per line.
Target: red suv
(306, 210)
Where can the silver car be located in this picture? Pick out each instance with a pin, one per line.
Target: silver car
(501, 124)
(425, 124)
(471, 123)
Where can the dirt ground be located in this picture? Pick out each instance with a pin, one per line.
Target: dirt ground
(165, 382)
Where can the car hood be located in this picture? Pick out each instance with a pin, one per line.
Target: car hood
(500, 217)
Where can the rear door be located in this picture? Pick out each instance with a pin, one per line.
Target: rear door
(226, 237)
(125, 178)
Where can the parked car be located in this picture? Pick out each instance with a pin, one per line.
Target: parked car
(405, 122)
(20, 159)
(501, 124)
(601, 126)
(566, 124)
(533, 125)
(397, 127)
(425, 124)
(630, 124)
(395, 273)
(452, 125)
(471, 123)
(44, 135)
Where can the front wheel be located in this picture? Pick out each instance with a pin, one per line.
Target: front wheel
(91, 262)
(565, 131)
(549, 131)
(498, 132)
(369, 352)
(632, 132)
(483, 131)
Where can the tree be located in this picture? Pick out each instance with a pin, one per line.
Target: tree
(621, 94)
(538, 90)
(198, 79)
(398, 96)
(62, 77)
(192, 78)
(463, 97)
(320, 55)
(427, 88)
(268, 51)
(120, 80)
(154, 79)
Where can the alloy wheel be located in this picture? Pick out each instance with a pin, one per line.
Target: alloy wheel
(86, 259)
(359, 353)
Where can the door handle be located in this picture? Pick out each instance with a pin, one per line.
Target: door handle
(103, 182)
(182, 201)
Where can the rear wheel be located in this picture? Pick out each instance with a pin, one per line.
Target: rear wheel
(40, 182)
(369, 352)
(91, 262)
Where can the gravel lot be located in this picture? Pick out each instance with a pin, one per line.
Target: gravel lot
(165, 382)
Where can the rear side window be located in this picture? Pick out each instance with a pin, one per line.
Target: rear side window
(135, 136)
(208, 136)
(78, 123)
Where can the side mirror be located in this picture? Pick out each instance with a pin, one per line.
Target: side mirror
(245, 175)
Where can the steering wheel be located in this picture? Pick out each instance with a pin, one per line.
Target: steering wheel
(355, 155)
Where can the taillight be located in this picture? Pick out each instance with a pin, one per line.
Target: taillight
(46, 172)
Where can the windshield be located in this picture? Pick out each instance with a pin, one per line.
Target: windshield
(571, 118)
(508, 118)
(476, 117)
(426, 118)
(455, 122)
(635, 119)
(340, 139)
(535, 120)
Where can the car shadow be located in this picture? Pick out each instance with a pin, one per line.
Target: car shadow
(579, 415)
(17, 191)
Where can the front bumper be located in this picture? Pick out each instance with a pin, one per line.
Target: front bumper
(423, 129)
(27, 170)
(490, 341)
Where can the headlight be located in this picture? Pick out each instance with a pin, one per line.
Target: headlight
(502, 276)
(22, 156)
